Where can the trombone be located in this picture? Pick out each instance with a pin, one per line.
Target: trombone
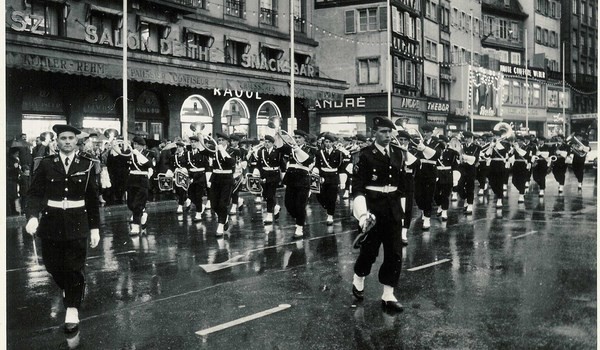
(508, 135)
(197, 128)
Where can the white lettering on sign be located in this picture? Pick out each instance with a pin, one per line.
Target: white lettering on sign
(461, 112)
(521, 71)
(438, 107)
(348, 102)
(273, 65)
(409, 103)
(24, 22)
(236, 93)
(489, 112)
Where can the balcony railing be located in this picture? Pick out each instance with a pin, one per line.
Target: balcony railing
(184, 6)
(234, 8)
(268, 16)
(300, 24)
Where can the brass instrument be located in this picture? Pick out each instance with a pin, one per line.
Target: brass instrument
(577, 146)
(275, 123)
(413, 133)
(508, 135)
(111, 135)
(197, 128)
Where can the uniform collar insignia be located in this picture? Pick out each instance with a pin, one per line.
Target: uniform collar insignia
(56, 159)
(76, 159)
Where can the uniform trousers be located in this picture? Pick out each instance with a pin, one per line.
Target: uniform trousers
(268, 194)
(136, 202)
(443, 189)
(295, 202)
(424, 193)
(520, 176)
(197, 190)
(387, 231)
(182, 195)
(65, 261)
(497, 174)
(408, 199)
(482, 173)
(220, 196)
(328, 196)
(539, 174)
(578, 167)
(559, 169)
(466, 184)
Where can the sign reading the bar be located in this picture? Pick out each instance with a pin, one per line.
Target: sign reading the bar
(438, 107)
(521, 71)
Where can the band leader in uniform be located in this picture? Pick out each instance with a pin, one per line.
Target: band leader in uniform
(64, 192)
(376, 189)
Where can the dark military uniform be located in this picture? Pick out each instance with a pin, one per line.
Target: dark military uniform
(498, 170)
(137, 184)
(330, 164)
(447, 162)
(540, 168)
(221, 183)
(297, 181)
(69, 207)
(240, 156)
(180, 162)
(408, 188)
(380, 179)
(559, 167)
(425, 178)
(520, 169)
(579, 160)
(468, 173)
(269, 164)
(197, 165)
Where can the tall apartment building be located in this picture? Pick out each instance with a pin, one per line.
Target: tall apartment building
(579, 25)
(224, 63)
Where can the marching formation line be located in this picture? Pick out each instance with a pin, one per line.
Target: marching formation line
(207, 331)
(428, 265)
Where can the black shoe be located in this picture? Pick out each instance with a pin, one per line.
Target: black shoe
(71, 327)
(405, 242)
(358, 294)
(393, 306)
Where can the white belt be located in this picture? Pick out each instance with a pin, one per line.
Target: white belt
(499, 159)
(66, 204)
(382, 189)
(298, 166)
(195, 170)
(138, 172)
(270, 168)
(428, 161)
(440, 167)
(521, 160)
(329, 170)
(221, 171)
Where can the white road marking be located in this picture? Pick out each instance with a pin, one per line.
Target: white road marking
(525, 234)
(225, 264)
(428, 265)
(239, 321)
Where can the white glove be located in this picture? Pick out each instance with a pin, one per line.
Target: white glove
(315, 171)
(169, 173)
(256, 173)
(94, 237)
(342, 185)
(32, 226)
(420, 147)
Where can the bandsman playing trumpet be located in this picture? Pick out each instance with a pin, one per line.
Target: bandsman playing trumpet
(447, 162)
(428, 153)
(522, 164)
(269, 163)
(541, 163)
(468, 171)
(330, 164)
(252, 159)
(559, 167)
(579, 149)
(197, 165)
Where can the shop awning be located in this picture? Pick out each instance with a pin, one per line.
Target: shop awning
(102, 9)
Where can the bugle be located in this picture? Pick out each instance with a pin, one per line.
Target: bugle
(112, 134)
(275, 123)
(211, 145)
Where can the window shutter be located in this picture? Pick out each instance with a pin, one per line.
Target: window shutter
(383, 18)
(350, 22)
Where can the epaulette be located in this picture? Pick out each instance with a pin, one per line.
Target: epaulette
(87, 156)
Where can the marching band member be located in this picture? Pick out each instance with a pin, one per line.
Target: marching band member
(376, 189)
(197, 165)
(140, 171)
(521, 165)
(179, 163)
(468, 171)
(447, 162)
(483, 166)
(330, 164)
(297, 179)
(579, 149)
(541, 167)
(530, 148)
(269, 162)
(408, 194)
(559, 168)
(64, 192)
(428, 155)
(240, 167)
(252, 159)
(498, 151)
(221, 179)
(349, 145)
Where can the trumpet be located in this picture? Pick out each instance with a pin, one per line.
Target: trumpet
(275, 123)
(112, 134)
(197, 128)
(577, 146)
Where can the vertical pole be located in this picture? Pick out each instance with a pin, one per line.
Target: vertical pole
(471, 67)
(526, 84)
(390, 75)
(125, 98)
(564, 114)
(292, 118)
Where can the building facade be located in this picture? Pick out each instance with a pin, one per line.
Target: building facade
(224, 63)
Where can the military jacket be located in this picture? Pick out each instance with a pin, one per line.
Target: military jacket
(472, 149)
(68, 190)
(269, 164)
(330, 164)
(428, 166)
(197, 164)
(297, 174)
(138, 171)
(223, 167)
(375, 169)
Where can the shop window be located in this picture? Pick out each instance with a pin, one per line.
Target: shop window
(46, 18)
(517, 93)
(300, 16)
(505, 92)
(151, 31)
(368, 71)
(268, 12)
(108, 23)
(515, 58)
(350, 22)
(302, 57)
(198, 44)
(235, 117)
(536, 95)
(235, 8)
(234, 49)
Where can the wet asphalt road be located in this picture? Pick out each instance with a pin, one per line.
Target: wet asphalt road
(523, 277)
